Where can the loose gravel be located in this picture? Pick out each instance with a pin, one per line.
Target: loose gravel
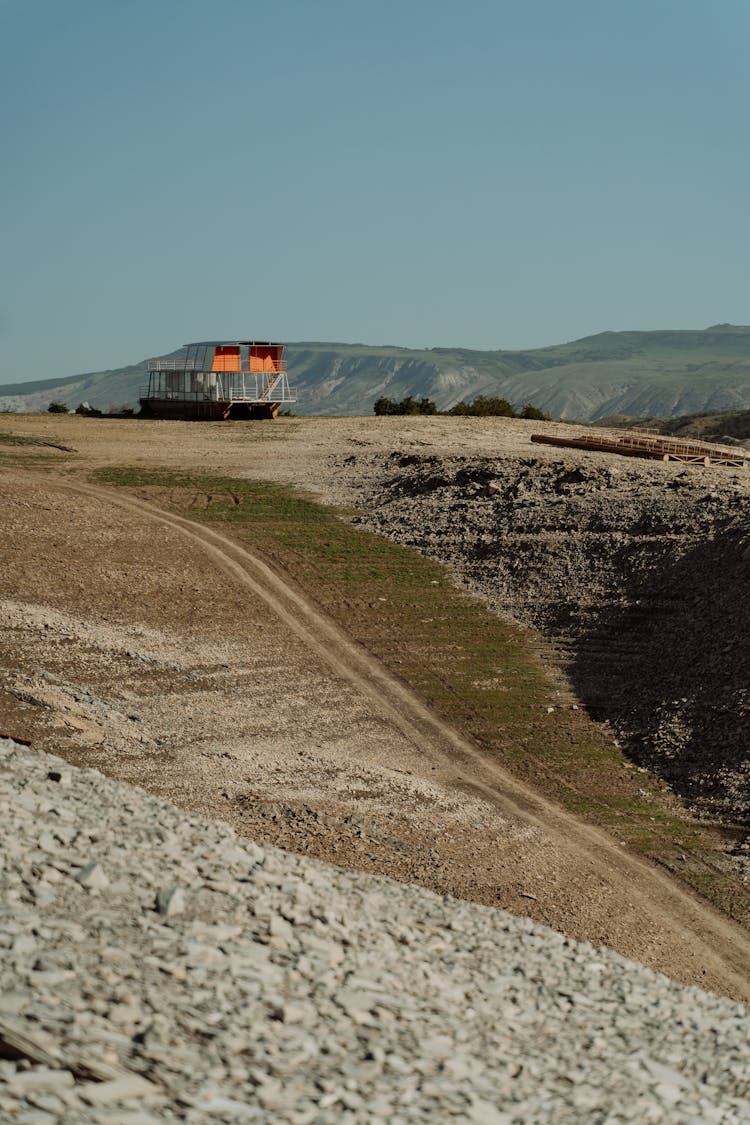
(156, 967)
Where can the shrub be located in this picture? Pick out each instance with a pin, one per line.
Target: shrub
(407, 405)
(534, 413)
(484, 406)
(57, 408)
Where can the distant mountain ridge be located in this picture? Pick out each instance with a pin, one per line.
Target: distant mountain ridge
(639, 374)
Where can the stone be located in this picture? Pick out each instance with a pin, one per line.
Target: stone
(93, 877)
(41, 1078)
(119, 1089)
(170, 901)
(62, 777)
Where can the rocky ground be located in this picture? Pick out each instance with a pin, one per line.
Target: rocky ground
(156, 967)
(637, 574)
(125, 646)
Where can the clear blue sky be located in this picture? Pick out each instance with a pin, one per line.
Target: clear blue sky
(485, 173)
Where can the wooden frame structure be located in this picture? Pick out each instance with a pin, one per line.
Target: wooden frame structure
(217, 380)
(654, 448)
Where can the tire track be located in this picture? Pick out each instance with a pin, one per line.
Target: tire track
(703, 943)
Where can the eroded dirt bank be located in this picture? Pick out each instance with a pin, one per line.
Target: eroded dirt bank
(639, 574)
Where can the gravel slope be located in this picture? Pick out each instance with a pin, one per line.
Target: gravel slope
(156, 967)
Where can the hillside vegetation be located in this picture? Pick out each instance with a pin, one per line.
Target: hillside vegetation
(639, 374)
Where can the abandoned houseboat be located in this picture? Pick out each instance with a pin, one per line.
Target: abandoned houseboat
(219, 379)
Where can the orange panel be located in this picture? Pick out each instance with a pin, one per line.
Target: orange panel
(226, 358)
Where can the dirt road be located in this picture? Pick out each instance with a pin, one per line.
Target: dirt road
(162, 652)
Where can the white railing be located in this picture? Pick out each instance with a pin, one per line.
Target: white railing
(171, 364)
(279, 367)
(215, 386)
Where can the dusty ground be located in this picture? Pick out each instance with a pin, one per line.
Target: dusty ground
(162, 654)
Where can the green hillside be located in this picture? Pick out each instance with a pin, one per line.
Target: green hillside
(638, 374)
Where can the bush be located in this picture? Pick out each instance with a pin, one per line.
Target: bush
(484, 407)
(385, 406)
(534, 413)
(407, 405)
(88, 410)
(57, 408)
